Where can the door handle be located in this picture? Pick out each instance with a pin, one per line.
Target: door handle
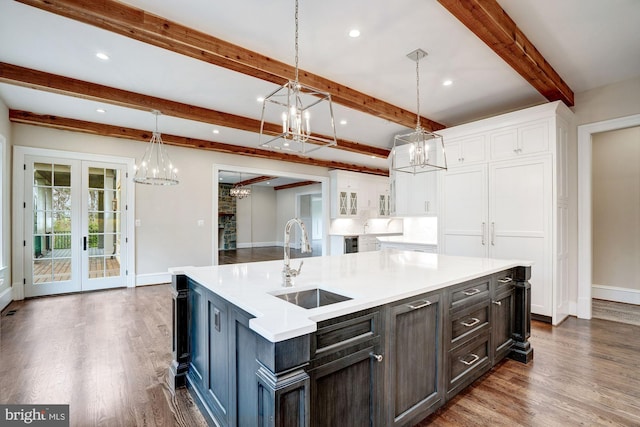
(84, 242)
(474, 359)
(377, 357)
(484, 226)
(420, 304)
(474, 321)
(493, 234)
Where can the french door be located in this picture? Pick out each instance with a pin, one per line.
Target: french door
(74, 225)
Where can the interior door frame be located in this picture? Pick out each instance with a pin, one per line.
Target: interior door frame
(585, 147)
(323, 180)
(18, 263)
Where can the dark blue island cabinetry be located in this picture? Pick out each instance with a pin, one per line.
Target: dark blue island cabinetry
(390, 364)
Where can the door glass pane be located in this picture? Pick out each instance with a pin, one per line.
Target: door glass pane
(104, 222)
(51, 223)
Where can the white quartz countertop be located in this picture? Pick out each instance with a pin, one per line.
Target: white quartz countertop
(369, 278)
(406, 240)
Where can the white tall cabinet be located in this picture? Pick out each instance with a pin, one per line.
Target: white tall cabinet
(509, 198)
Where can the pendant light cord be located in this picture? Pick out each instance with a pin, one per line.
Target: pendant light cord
(418, 127)
(296, 45)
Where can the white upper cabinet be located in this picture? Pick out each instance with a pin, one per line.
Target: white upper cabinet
(465, 151)
(528, 138)
(358, 195)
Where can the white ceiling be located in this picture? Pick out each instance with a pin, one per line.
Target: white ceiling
(590, 43)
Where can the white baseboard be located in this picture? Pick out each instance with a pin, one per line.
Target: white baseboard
(153, 278)
(5, 298)
(256, 245)
(617, 294)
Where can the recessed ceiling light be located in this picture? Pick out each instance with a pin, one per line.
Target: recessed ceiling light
(101, 110)
(220, 179)
(268, 182)
(260, 99)
(103, 56)
(354, 33)
(343, 122)
(373, 157)
(216, 131)
(447, 82)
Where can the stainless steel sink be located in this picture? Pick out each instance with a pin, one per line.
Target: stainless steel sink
(312, 298)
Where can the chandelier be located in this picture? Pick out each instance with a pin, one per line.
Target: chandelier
(240, 192)
(419, 151)
(295, 105)
(155, 167)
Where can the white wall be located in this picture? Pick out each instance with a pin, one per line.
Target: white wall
(256, 218)
(616, 209)
(5, 192)
(608, 102)
(286, 200)
(594, 107)
(168, 235)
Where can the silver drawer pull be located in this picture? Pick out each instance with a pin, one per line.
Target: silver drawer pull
(474, 359)
(470, 292)
(425, 303)
(377, 357)
(497, 302)
(473, 322)
(505, 280)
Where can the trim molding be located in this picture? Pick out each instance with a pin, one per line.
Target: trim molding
(616, 293)
(5, 298)
(583, 308)
(153, 279)
(256, 245)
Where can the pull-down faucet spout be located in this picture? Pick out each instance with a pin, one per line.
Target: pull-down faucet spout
(289, 273)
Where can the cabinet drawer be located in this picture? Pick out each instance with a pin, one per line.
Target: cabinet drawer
(467, 362)
(504, 281)
(346, 333)
(468, 322)
(469, 293)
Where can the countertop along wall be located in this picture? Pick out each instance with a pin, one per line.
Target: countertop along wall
(168, 234)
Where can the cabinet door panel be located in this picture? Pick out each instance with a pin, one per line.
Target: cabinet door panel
(414, 359)
(343, 392)
(504, 143)
(197, 340)
(502, 324)
(218, 392)
(534, 138)
(534, 249)
(520, 212)
(520, 197)
(464, 218)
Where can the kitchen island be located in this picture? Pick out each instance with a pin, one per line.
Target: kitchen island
(402, 332)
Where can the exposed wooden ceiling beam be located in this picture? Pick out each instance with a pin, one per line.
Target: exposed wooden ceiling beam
(152, 29)
(487, 20)
(25, 117)
(293, 185)
(255, 180)
(28, 77)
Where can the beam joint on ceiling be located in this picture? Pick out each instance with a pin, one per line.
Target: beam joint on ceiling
(63, 123)
(487, 20)
(143, 26)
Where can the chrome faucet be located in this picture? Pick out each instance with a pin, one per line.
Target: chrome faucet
(287, 272)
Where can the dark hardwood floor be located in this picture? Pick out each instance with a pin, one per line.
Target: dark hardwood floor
(107, 354)
(267, 253)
